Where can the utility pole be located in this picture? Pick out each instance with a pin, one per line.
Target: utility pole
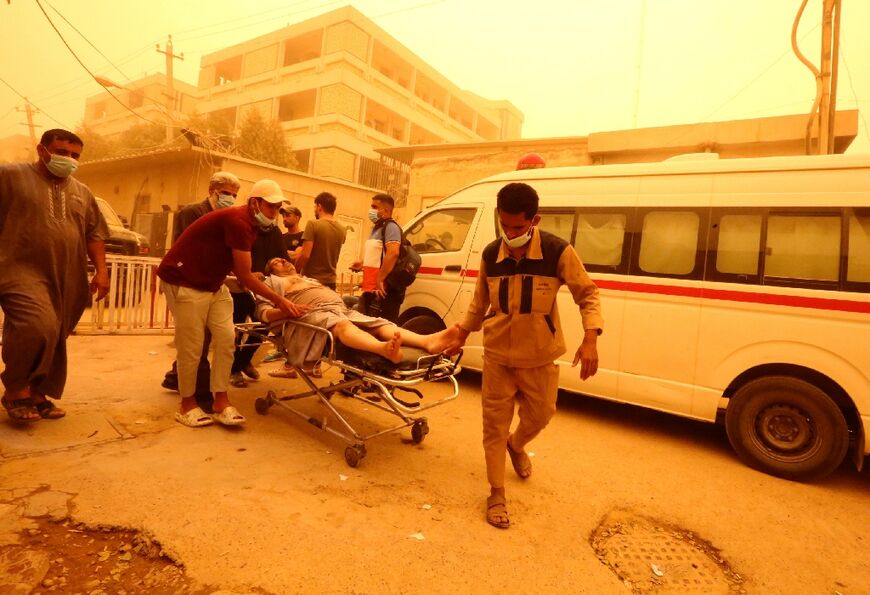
(31, 127)
(170, 85)
(825, 116)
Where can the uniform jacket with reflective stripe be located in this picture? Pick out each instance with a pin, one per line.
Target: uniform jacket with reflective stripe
(515, 301)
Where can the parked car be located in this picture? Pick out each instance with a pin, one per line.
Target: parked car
(122, 240)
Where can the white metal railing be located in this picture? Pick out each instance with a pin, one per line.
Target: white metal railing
(135, 303)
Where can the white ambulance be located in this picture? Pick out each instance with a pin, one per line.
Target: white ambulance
(733, 291)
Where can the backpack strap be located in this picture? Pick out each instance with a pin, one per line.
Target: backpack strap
(383, 227)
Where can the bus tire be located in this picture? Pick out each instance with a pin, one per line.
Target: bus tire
(424, 324)
(787, 427)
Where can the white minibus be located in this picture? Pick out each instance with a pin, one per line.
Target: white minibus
(734, 291)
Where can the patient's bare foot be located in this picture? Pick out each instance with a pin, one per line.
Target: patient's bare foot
(392, 348)
(441, 340)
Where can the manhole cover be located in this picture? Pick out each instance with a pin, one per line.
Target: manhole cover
(651, 556)
(17, 440)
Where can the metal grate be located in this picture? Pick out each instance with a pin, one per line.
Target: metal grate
(650, 556)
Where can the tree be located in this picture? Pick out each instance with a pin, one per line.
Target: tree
(97, 146)
(263, 140)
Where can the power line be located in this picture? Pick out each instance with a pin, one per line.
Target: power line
(854, 94)
(88, 70)
(50, 117)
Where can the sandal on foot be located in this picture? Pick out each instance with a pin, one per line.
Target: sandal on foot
(284, 372)
(20, 409)
(229, 416)
(195, 418)
(520, 460)
(496, 512)
(48, 410)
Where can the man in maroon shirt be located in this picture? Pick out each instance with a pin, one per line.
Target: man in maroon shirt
(193, 273)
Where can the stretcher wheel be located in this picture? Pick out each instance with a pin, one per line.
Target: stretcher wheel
(419, 431)
(262, 406)
(354, 454)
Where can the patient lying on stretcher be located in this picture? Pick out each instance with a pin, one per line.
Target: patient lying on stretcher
(328, 311)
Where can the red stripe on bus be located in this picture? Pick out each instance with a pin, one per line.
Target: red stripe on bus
(739, 296)
(429, 270)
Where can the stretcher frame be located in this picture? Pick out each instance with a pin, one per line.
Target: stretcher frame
(358, 383)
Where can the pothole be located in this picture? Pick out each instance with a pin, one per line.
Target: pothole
(651, 556)
(71, 558)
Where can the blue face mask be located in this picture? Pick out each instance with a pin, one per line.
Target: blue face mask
(224, 201)
(61, 166)
(264, 221)
(373, 215)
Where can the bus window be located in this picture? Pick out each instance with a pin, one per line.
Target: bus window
(669, 242)
(805, 247)
(600, 239)
(560, 224)
(858, 268)
(739, 240)
(444, 230)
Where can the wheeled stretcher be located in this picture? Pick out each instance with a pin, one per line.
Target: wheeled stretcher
(367, 377)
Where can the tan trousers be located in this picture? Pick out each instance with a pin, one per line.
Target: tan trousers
(534, 390)
(194, 311)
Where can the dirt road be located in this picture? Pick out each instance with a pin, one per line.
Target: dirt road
(621, 500)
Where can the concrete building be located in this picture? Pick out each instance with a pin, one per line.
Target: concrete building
(341, 87)
(439, 170)
(146, 97)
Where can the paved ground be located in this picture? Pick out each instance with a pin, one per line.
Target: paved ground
(120, 498)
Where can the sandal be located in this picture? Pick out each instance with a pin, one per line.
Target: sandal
(195, 418)
(520, 460)
(283, 372)
(22, 410)
(229, 416)
(48, 410)
(496, 512)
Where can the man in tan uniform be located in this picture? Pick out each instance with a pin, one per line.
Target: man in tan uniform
(515, 304)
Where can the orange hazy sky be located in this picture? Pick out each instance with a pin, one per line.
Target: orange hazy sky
(572, 67)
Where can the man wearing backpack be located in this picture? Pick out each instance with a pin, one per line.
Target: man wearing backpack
(380, 253)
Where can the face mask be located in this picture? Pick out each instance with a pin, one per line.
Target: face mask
(224, 201)
(373, 215)
(61, 166)
(264, 221)
(519, 241)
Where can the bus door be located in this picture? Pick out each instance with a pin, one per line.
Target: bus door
(662, 293)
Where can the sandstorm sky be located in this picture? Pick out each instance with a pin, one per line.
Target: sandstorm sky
(571, 66)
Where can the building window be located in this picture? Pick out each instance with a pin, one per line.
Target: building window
(228, 71)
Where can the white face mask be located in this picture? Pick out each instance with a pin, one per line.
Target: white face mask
(519, 241)
(61, 166)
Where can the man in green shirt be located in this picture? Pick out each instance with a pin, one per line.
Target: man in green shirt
(321, 242)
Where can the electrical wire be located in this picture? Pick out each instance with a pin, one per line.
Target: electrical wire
(88, 70)
(39, 109)
(854, 94)
(83, 36)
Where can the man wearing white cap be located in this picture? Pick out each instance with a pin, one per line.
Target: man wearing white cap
(193, 273)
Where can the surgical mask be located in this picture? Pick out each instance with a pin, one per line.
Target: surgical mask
(264, 221)
(373, 215)
(62, 166)
(224, 201)
(517, 242)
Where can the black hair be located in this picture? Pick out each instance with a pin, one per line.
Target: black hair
(385, 199)
(54, 134)
(516, 198)
(326, 201)
(290, 211)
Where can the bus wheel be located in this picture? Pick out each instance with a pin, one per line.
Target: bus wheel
(423, 324)
(787, 427)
